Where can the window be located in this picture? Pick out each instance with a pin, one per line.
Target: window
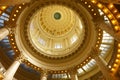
(107, 38)
(9, 9)
(4, 17)
(1, 21)
(59, 76)
(74, 38)
(80, 71)
(42, 42)
(101, 13)
(86, 67)
(58, 45)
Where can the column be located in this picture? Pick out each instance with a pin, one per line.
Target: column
(13, 2)
(101, 64)
(102, 25)
(50, 42)
(73, 74)
(9, 74)
(1, 70)
(44, 75)
(68, 76)
(4, 32)
(1, 75)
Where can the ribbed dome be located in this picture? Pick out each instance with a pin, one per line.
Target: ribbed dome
(56, 30)
(53, 35)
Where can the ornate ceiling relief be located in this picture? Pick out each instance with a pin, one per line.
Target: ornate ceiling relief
(55, 34)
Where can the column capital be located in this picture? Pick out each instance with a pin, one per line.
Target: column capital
(44, 74)
(117, 36)
(94, 52)
(20, 58)
(1, 76)
(72, 71)
(99, 19)
(44, 71)
(100, 23)
(4, 31)
(10, 29)
(73, 74)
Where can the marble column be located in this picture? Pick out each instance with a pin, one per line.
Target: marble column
(13, 2)
(44, 75)
(101, 64)
(9, 74)
(4, 32)
(73, 74)
(102, 25)
(1, 76)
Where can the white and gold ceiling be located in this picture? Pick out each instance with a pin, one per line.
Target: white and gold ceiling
(53, 34)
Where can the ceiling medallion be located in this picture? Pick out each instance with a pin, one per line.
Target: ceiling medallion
(56, 20)
(57, 16)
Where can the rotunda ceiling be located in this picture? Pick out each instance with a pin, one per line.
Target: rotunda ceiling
(54, 34)
(54, 29)
(58, 35)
